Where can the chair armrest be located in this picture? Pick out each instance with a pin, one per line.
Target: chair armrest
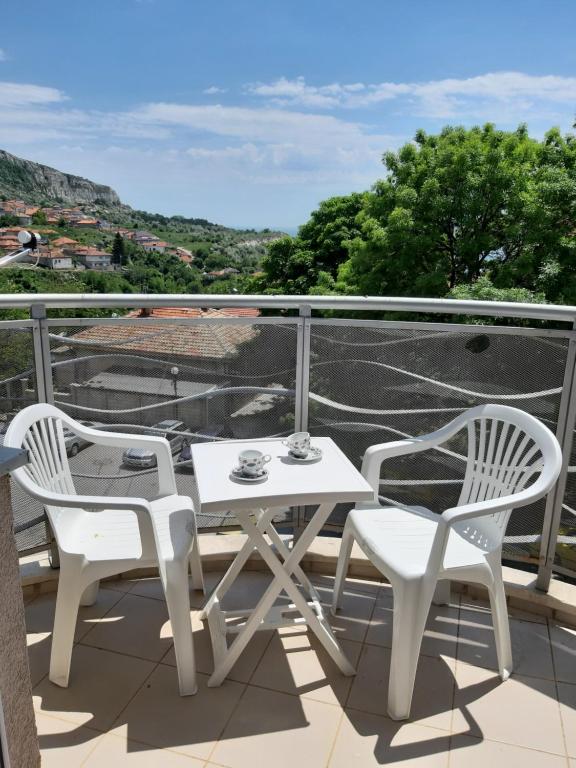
(141, 507)
(376, 454)
(158, 445)
(492, 506)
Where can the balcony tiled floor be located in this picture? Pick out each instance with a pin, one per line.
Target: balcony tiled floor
(286, 705)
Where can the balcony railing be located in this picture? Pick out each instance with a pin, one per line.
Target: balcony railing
(360, 381)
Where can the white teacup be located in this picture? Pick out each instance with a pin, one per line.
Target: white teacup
(298, 444)
(251, 462)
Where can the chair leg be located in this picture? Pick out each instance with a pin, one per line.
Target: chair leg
(501, 627)
(196, 567)
(411, 607)
(90, 594)
(70, 590)
(342, 567)
(174, 576)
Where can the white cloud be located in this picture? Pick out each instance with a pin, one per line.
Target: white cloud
(518, 94)
(3, 55)
(253, 124)
(213, 90)
(20, 94)
(285, 92)
(282, 153)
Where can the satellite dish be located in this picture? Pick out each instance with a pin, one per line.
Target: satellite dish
(29, 239)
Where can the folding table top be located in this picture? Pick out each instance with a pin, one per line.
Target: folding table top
(290, 482)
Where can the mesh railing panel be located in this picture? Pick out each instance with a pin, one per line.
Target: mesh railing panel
(17, 390)
(565, 556)
(220, 381)
(376, 384)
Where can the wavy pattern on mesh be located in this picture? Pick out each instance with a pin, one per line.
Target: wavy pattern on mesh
(372, 385)
(222, 381)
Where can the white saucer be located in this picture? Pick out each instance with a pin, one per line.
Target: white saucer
(314, 454)
(240, 477)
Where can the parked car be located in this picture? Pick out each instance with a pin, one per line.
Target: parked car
(203, 435)
(142, 457)
(74, 442)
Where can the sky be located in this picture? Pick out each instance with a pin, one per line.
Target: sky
(250, 112)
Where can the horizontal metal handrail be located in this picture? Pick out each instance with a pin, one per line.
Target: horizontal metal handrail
(357, 303)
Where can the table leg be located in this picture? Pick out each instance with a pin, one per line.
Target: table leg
(276, 539)
(234, 570)
(282, 581)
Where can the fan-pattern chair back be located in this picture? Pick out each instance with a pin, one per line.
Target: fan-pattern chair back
(503, 459)
(43, 437)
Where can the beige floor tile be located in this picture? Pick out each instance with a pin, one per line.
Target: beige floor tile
(366, 740)
(531, 650)
(101, 684)
(468, 752)
(158, 716)
(137, 626)
(153, 588)
(567, 697)
(243, 669)
(522, 711)
(440, 637)
(40, 613)
(483, 605)
(270, 728)
(114, 752)
(357, 585)
(563, 642)
(298, 664)
(64, 744)
(40, 621)
(353, 619)
(120, 585)
(433, 690)
(246, 591)
(39, 646)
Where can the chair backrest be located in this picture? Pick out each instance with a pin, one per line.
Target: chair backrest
(40, 430)
(508, 451)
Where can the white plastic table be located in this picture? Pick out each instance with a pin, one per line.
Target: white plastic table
(327, 482)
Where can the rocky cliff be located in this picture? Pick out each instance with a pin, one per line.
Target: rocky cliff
(35, 183)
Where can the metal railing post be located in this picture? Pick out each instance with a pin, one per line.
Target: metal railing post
(554, 501)
(302, 385)
(44, 391)
(302, 370)
(42, 357)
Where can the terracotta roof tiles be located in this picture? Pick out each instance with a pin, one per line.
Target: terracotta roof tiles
(198, 341)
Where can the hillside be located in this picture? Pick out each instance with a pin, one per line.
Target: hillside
(212, 244)
(36, 183)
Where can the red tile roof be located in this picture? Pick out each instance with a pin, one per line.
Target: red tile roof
(196, 312)
(196, 341)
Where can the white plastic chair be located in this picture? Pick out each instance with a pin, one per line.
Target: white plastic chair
(101, 536)
(513, 460)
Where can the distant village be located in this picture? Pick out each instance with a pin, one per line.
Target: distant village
(66, 253)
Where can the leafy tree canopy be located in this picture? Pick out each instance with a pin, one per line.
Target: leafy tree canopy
(454, 208)
(302, 264)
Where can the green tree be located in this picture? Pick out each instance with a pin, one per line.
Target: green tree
(303, 264)
(466, 203)
(39, 218)
(8, 220)
(118, 251)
